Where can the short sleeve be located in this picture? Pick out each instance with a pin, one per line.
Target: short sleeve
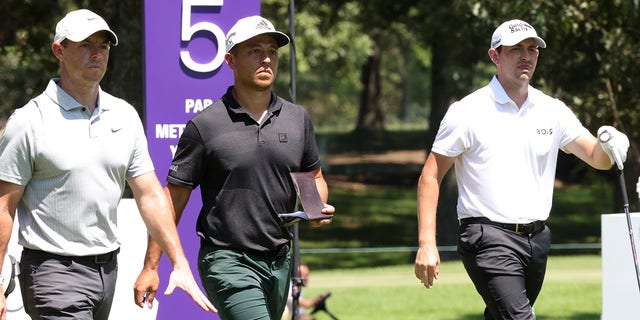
(187, 163)
(141, 159)
(451, 138)
(17, 146)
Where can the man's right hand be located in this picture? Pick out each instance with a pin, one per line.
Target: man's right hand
(145, 288)
(427, 265)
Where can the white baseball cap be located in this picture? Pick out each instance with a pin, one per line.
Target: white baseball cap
(249, 27)
(80, 24)
(512, 32)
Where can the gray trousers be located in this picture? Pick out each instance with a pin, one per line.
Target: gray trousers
(58, 287)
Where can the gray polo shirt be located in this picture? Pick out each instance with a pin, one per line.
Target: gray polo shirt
(73, 165)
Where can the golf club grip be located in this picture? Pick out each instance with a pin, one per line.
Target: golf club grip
(623, 189)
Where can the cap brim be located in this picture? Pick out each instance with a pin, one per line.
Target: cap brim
(281, 38)
(539, 41)
(113, 39)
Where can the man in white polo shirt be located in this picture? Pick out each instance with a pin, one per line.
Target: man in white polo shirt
(65, 158)
(503, 140)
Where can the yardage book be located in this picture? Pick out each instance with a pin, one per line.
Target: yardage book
(307, 191)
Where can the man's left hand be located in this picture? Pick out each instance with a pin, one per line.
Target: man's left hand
(328, 210)
(615, 144)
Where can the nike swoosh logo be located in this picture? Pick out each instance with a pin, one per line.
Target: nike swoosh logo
(115, 129)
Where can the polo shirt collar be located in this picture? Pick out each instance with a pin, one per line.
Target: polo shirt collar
(500, 96)
(64, 100)
(232, 104)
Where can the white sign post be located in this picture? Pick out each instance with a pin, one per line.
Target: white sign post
(620, 292)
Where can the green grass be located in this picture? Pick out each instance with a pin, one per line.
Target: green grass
(572, 291)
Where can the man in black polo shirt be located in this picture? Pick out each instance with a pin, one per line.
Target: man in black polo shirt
(240, 151)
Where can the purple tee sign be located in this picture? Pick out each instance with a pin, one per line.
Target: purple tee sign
(185, 72)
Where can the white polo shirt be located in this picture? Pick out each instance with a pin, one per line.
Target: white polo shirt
(505, 156)
(73, 165)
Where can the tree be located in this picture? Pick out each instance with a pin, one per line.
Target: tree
(26, 33)
(27, 63)
(330, 52)
(365, 66)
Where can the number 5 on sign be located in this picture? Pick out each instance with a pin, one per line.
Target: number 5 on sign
(188, 30)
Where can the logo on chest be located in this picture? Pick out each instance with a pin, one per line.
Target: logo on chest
(544, 131)
(282, 137)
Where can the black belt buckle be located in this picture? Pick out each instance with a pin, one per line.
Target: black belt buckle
(528, 228)
(102, 258)
(105, 257)
(521, 228)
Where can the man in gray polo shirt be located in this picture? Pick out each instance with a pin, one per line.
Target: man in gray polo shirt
(65, 158)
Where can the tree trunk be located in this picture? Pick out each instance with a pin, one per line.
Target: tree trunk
(370, 116)
(446, 89)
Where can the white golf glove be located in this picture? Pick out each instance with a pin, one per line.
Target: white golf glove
(615, 144)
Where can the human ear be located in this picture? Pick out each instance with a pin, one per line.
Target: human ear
(56, 48)
(229, 59)
(493, 55)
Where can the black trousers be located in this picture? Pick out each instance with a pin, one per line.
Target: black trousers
(507, 268)
(56, 287)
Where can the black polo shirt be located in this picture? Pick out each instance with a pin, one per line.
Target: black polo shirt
(242, 168)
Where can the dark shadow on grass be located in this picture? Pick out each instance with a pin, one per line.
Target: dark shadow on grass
(577, 316)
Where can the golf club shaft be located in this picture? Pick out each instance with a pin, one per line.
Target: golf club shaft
(296, 280)
(625, 199)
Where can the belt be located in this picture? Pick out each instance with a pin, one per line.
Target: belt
(269, 255)
(522, 228)
(277, 253)
(97, 259)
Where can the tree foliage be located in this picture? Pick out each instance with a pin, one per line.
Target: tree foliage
(426, 54)
(27, 62)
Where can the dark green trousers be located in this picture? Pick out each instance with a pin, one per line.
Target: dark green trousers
(245, 286)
